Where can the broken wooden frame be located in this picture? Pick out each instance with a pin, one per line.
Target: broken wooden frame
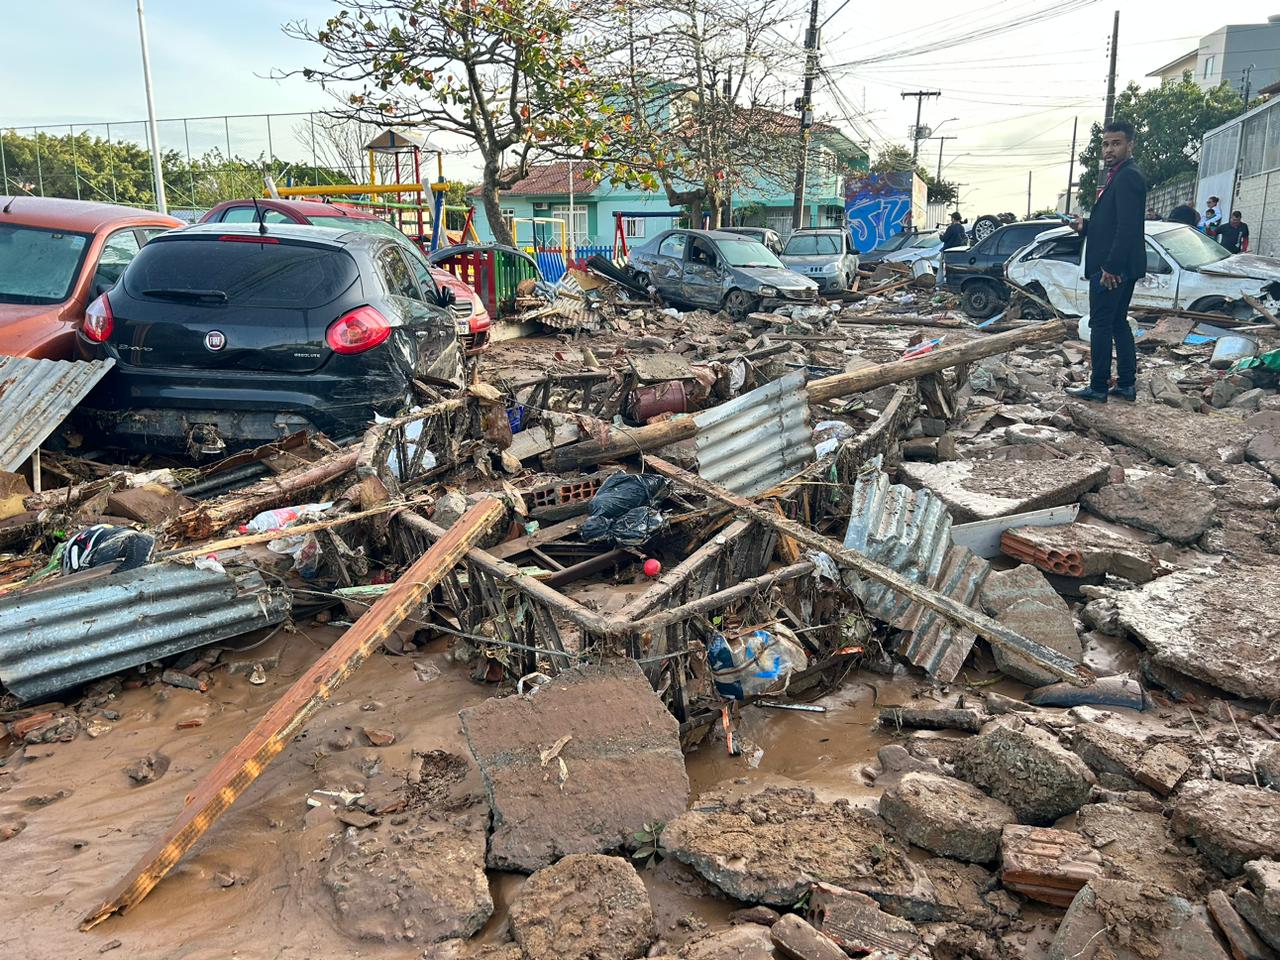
(546, 629)
(233, 775)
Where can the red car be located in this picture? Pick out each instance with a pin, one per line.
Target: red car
(469, 306)
(56, 257)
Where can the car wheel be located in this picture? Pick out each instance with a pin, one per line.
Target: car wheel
(980, 299)
(984, 227)
(739, 303)
(1237, 309)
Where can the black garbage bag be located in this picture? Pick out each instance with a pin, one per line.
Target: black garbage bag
(623, 511)
(104, 543)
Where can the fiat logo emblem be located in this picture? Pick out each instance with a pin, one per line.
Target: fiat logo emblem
(215, 340)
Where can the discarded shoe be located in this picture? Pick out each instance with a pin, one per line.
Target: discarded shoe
(1124, 393)
(1087, 393)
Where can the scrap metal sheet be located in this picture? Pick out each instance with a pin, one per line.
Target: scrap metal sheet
(36, 396)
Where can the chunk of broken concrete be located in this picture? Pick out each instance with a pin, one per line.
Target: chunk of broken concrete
(1259, 902)
(1083, 550)
(796, 939)
(617, 765)
(1140, 845)
(984, 489)
(1045, 864)
(1173, 437)
(586, 907)
(423, 882)
(1026, 768)
(1220, 625)
(1173, 509)
(745, 942)
(856, 923)
(1025, 602)
(1229, 823)
(1120, 920)
(770, 846)
(946, 816)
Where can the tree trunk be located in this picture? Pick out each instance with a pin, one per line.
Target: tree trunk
(492, 208)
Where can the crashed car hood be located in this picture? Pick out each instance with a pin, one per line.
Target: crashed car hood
(809, 260)
(1244, 265)
(775, 277)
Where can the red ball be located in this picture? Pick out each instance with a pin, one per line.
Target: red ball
(652, 567)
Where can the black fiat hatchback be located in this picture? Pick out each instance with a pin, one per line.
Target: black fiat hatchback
(231, 335)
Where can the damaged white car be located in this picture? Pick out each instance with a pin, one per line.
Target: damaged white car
(1185, 270)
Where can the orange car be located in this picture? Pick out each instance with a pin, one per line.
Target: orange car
(56, 257)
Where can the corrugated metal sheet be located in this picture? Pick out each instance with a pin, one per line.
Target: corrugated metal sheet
(910, 531)
(63, 635)
(757, 440)
(36, 396)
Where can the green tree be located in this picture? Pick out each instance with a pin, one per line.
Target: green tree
(509, 77)
(1170, 121)
(896, 158)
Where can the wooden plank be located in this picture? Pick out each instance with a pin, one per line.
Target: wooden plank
(215, 794)
(513, 548)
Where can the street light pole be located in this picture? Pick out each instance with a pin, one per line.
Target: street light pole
(157, 171)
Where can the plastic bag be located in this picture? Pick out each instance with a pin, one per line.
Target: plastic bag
(104, 543)
(622, 511)
(305, 550)
(757, 663)
(282, 517)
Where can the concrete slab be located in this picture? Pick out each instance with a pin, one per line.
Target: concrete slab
(578, 767)
(983, 489)
(1119, 920)
(1170, 436)
(1219, 625)
(1230, 823)
(1172, 508)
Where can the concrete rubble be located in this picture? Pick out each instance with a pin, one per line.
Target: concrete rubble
(1050, 732)
(616, 766)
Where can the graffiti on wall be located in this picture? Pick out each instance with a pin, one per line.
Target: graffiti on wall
(877, 206)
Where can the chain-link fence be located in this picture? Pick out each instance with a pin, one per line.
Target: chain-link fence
(205, 160)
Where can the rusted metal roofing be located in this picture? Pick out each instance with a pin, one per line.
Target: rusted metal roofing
(757, 440)
(36, 396)
(68, 633)
(910, 531)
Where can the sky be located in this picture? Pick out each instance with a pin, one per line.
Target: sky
(1008, 98)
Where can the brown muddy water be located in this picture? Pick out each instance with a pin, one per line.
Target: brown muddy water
(252, 887)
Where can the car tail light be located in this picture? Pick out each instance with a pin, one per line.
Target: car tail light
(360, 330)
(246, 238)
(98, 321)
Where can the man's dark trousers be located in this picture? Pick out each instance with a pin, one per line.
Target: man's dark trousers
(1108, 324)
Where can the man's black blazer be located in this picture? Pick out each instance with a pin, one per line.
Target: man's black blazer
(1114, 229)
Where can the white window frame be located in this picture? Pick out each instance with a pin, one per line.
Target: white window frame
(581, 226)
(1209, 63)
(633, 227)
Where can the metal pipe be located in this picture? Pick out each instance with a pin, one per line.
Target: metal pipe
(157, 171)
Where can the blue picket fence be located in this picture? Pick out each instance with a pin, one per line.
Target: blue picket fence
(551, 261)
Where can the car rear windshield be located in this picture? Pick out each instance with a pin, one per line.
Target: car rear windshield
(812, 244)
(38, 265)
(897, 241)
(248, 274)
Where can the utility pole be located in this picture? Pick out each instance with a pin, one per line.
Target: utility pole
(157, 172)
(805, 106)
(1245, 79)
(915, 131)
(1028, 194)
(941, 142)
(1111, 73)
(1071, 167)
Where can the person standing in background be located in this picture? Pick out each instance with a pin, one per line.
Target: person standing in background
(954, 235)
(1234, 234)
(1115, 258)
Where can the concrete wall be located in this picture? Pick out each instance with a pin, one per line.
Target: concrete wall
(1258, 198)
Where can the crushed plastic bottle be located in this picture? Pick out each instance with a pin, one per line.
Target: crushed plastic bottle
(282, 517)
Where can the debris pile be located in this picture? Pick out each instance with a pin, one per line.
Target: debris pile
(540, 664)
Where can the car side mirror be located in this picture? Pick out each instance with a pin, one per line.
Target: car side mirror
(445, 297)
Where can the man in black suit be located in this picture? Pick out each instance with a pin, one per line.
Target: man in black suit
(1115, 259)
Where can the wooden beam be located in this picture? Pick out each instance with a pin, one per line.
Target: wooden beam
(995, 633)
(239, 768)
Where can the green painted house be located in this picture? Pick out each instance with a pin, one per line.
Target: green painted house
(545, 194)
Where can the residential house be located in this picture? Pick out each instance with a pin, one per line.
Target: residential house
(550, 189)
(1228, 53)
